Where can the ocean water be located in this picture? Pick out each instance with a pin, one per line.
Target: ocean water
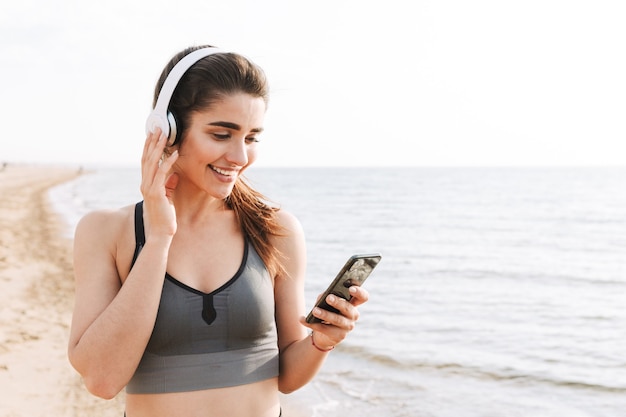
(501, 292)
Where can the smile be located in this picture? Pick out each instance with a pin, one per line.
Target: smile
(228, 173)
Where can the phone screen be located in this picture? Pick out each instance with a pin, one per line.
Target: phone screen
(354, 272)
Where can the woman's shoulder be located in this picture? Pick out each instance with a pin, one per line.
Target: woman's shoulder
(291, 239)
(288, 221)
(105, 221)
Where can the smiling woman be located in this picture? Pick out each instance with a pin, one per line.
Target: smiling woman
(193, 298)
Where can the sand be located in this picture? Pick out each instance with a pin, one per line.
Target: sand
(36, 300)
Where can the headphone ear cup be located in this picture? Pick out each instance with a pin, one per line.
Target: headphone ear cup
(173, 136)
(156, 121)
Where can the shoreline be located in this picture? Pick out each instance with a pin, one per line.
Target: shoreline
(37, 300)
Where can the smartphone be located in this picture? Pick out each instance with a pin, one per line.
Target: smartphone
(354, 272)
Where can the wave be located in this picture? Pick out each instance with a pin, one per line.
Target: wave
(458, 369)
(554, 278)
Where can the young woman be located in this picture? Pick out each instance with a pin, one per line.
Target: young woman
(193, 299)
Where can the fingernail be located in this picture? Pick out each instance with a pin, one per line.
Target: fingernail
(352, 290)
(331, 298)
(317, 310)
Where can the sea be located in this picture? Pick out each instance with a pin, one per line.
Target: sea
(501, 291)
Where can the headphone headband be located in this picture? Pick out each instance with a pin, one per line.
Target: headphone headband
(160, 116)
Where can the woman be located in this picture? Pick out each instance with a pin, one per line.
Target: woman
(193, 299)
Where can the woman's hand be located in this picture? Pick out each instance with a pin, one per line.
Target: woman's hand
(158, 185)
(336, 326)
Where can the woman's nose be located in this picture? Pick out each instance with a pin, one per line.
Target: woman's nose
(238, 152)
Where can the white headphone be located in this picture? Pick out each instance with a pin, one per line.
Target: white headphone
(161, 116)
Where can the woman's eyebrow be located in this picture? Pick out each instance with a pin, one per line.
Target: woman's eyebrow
(234, 126)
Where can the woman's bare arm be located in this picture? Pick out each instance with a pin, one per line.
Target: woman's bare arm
(112, 323)
(300, 360)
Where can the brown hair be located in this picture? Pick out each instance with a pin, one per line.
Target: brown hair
(207, 81)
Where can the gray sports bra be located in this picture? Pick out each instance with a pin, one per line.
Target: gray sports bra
(210, 340)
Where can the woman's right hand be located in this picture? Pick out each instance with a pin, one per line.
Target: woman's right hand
(158, 185)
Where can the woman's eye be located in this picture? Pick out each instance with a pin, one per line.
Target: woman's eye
(252, 139)
(221, 136)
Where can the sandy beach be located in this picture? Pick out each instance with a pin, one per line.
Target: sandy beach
(36, 378)
(36, 302)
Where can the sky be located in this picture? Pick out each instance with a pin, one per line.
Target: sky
(353, 82)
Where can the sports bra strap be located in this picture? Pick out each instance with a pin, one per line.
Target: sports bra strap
(140, 237)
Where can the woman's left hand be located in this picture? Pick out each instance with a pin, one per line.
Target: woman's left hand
(336, 326)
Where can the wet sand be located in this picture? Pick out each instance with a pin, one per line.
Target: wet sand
(36, 300)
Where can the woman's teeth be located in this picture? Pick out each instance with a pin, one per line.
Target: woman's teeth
(223, 172)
